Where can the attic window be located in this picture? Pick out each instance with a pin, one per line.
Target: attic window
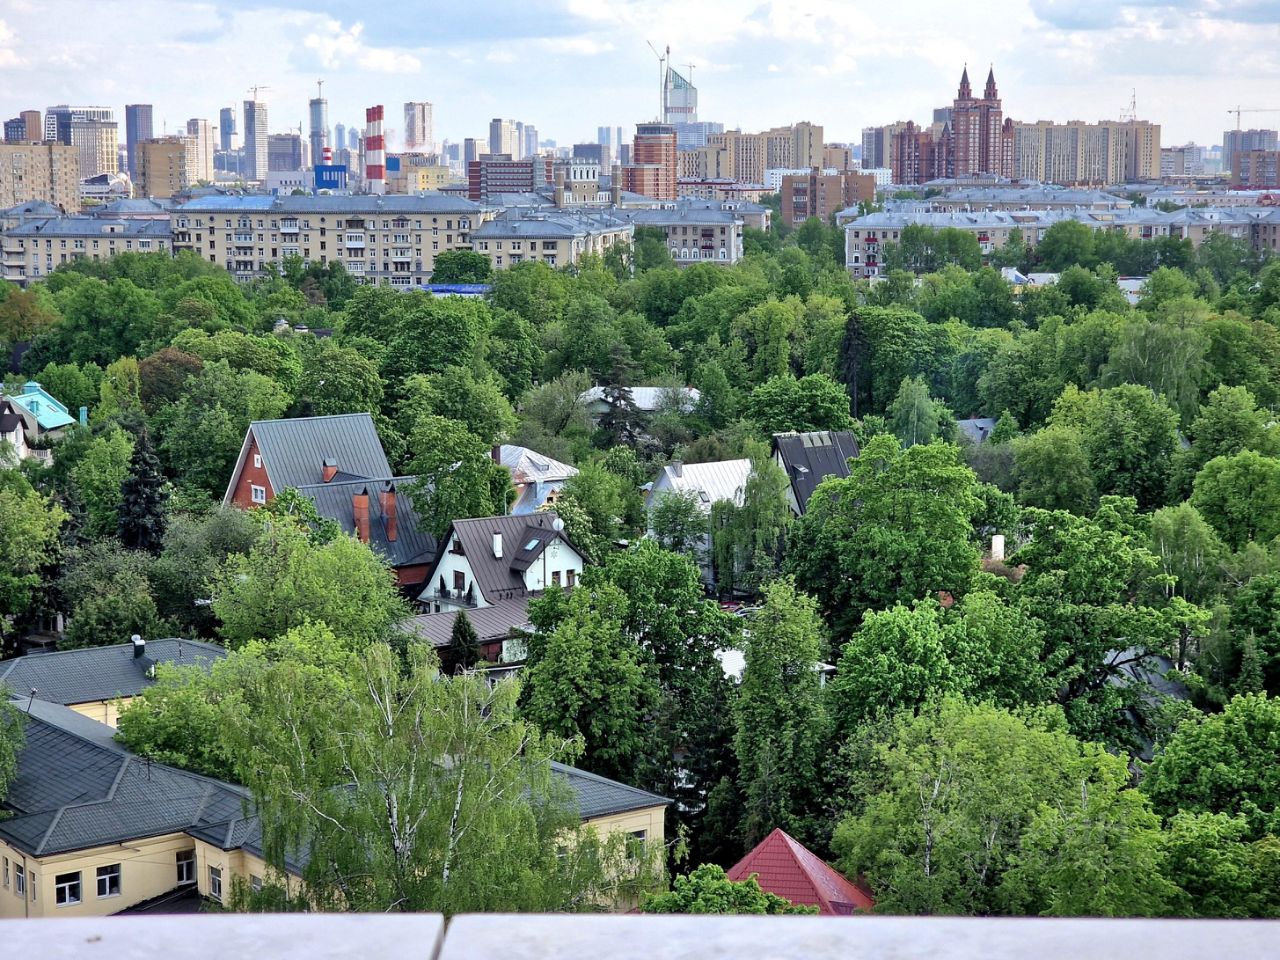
(456, 546)
(533, 544)
(702, 495)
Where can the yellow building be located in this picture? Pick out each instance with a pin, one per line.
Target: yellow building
(1107, 152)
(40, 171)
(390, 240)
(558, 238)
(34, 249)
(164, 166)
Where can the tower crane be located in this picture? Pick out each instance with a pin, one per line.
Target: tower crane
(254, 89)
(662, 80)
(1239, 110)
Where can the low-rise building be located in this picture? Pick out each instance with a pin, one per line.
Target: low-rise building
(693, 234)
(390, 240)
(536, 478)
(558, 238)
(809, 458)
(706, 483)
(41, 414)
(34, 249)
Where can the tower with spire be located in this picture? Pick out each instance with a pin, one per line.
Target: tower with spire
(981, 140)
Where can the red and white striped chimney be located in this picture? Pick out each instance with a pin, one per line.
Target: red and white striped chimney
(375, 152)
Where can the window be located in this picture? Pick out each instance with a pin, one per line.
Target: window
(186, 866)
(555, 577)
(6, 873)
(636, 841)
(459, 581)
(66, 889)
(257, 460)
(19, 880)
(215, 883)
(109, 880)
(571, 577)
(255, 883)
(257, 494)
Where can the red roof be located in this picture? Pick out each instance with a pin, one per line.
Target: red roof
(788, 869)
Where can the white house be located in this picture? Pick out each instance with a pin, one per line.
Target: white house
(646, 399)
(708, 482)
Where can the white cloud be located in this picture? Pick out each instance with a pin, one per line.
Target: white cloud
(336, 47)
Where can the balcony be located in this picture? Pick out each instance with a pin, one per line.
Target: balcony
(355, 241)
(583, 937)
(288, 226)
(245, 238)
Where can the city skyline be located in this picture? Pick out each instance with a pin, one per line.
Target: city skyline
(756, 65)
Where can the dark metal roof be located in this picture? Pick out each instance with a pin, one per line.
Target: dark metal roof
(413, 543)
(491, 623)
(501, 578)
(99, 673)
(294, 451)
(809, 458)
(600, 797)
(73, 792)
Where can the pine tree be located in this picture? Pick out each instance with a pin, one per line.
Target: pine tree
(464, 645)
(143, 494)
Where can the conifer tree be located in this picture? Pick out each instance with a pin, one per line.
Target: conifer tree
(142, 499)
(464, 645)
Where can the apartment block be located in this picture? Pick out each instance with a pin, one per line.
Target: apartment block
(1255, 168)
(822, 195)
(654, 167)
(389, 240)
(1237, 141)
(558, 238)
(40, 171)
(34, 249)
(165, 166)
(418, 133)
(1107, 152)
(202, 132)
(495, 174)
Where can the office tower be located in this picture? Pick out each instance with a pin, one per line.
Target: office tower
(470, 149)
(57, 120)
(284, 152)
(502, 138)
(26, 127)
(202, 133)
(604, 136)
(530, 145)
(98, 144)
(1238, 141)
(255, 140)
(679, 99)
(418, 135)
(375, 146)
(226, 129)
(318, 111)
(353, 139)
(15, 130)
(40, 171)
(339, 136)
(137, 127)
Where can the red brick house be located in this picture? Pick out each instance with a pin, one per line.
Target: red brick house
(338, 462)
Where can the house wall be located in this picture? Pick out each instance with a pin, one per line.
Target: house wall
(558, 557)
(104, 711)
(449, 563)
(234, 864)
(412, 574)
(792, 502)
(251, 476)
(148, 868)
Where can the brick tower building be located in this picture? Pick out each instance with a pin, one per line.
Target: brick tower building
(982, 139)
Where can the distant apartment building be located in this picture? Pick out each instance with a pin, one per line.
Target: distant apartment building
(837, 157)
(822, 195)
(1107, 152)
(694, 232)
(746, 156)
(284, 152)
(26, 127)
(877, 145)
(1237, 141)
(35, 249)
(558, 238)
(15, 130)
(227, 134)
(981, 139)
(201, 131)
(137, 127)
(1255, 168)
(492, 175)
(165, 166)
(389, 240)
(653, 170)
(40, 171)
(256, 140)
(418, 133)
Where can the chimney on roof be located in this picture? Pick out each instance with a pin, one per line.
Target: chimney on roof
(139, 646)
(497, 544)
(360, 514)
(387, 500)
(677, 468)
(329, 470)
(997, 548)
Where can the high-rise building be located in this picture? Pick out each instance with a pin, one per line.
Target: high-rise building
(284, 152)
(490, 175)
(227, 129)
(815, 194)
(529, 148)
(418, 134)
(1235, 141)
(15, 130)
(40, 171)
(1078, 153)
(679, 99)
(503, 138)
(318, 138)
(137, 127)
(654, 167)
(99, 146)
(202, 133)
(353, 139)
(981, 140)
(470, 150)
(57, 120)
(339, 136)
(604, 136)
(26, 127)
(164, 166)
(35, 126)
(1256, 168)
(255, 140)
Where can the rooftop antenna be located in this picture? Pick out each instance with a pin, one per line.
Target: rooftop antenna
(319, 89)
(1132, 113)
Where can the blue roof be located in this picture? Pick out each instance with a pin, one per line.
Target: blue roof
(50, 414)
(460, 289)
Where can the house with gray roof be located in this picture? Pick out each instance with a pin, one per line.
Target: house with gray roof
(536, 477)
(33, 249)
(706, 484)
(339, 464)
(809, 458)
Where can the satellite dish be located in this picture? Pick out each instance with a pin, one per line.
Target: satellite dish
(557, 525)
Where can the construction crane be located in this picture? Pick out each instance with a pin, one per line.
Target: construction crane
(254, 89)
(1239, 110)
(662, 80)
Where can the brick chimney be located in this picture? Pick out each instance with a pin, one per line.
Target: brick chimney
(360, 514)
(387, 500)
(329, 470)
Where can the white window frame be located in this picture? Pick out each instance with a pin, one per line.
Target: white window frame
(19, 880)
(108, 873)
(67, 889)
(186, 862)
(257, 494)
(257, 461)
(215, 882)
(255, 883)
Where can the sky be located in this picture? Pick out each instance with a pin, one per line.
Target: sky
(569, 66)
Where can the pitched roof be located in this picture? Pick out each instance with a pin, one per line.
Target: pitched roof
(413, 544)
(501, 578)
(786, 868)
(648, 399)
(600, 797)
(294, 451)
(74, 791)
(100, 673)
(718, 480)
(50, 412)
(491, 623)
(809, 458)
(976, 429)
(528, 466)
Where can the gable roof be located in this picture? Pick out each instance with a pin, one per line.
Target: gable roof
(294, 451)
(786, 868)
(501, 578)
(976, 429)
(718, 480)
(74, 791)
(100, 673)
(492, 623)
(414, 544)
(599, 796)
(648, 399)
(809, 458)
(535, 475)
